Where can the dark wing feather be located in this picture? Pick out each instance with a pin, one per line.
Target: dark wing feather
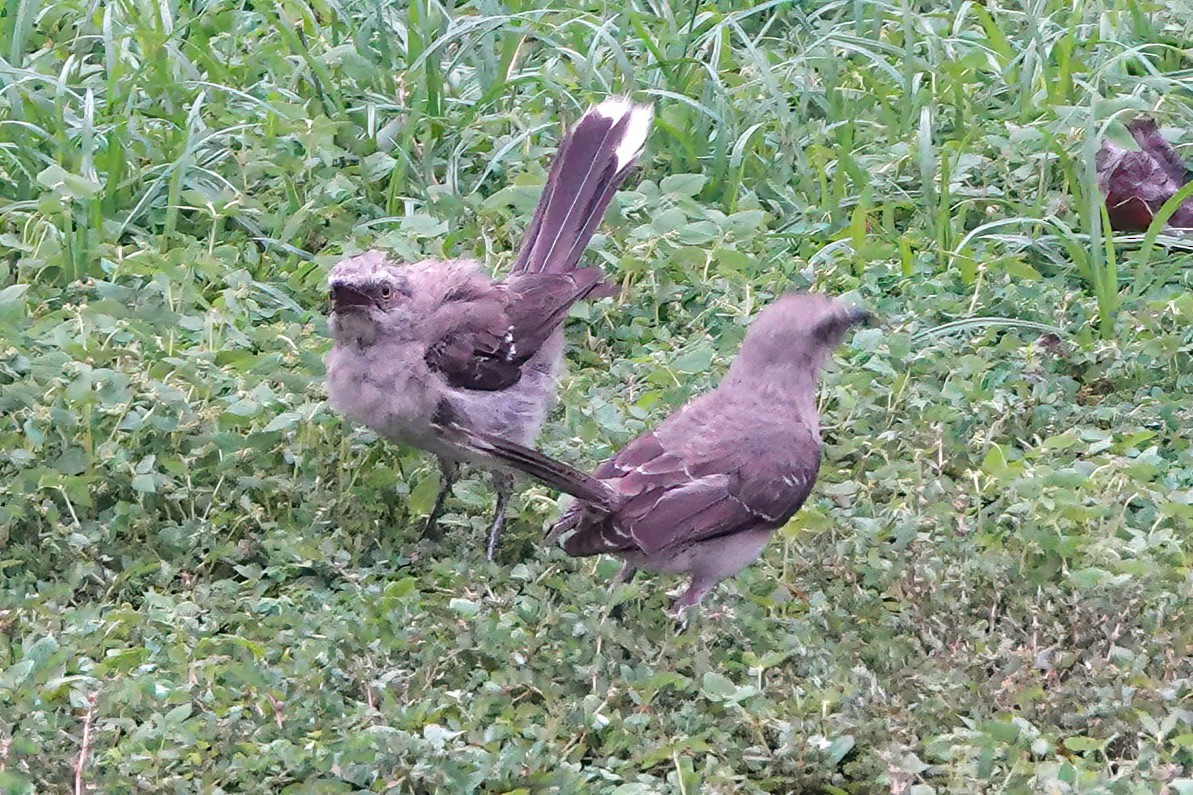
(669, 498)
(493, 330)
(475, 359)
(475, 344)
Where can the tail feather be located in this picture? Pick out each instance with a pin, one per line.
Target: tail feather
(593, 160)
(550, 472)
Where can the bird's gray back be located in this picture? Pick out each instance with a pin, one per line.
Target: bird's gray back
(736, 424)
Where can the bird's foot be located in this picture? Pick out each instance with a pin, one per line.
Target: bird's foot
(623, 576)
(447, 476)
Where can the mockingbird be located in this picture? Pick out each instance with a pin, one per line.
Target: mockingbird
(702, 493)
(438, 355)
(1136, 184)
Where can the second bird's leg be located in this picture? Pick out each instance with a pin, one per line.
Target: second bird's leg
(447, 476)
(627, 572)
(503, 484)
(683, 605)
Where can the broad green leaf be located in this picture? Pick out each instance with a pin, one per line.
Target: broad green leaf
(683, 184)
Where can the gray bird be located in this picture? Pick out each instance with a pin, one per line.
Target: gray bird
(702, 493)
(438, 355)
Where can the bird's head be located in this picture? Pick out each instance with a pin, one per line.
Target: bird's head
(368, 295)
(796, 334)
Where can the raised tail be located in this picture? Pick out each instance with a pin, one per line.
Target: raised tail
(593, 161)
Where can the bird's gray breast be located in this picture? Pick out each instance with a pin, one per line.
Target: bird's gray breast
(385, 386)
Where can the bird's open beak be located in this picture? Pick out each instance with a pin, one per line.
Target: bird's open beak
(345, 297)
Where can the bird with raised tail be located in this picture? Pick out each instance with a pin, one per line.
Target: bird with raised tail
(439, 355)
(703, 492)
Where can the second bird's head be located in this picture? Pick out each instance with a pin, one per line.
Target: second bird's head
(368, 295)
(796, 334)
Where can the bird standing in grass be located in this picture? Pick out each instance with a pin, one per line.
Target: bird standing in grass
(703, 492)
(1137, 184)
(438, 355)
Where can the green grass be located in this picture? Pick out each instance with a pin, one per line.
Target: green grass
(221, 586)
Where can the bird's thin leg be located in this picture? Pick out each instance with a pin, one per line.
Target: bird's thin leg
(503, 484)
(627, 572)
(689, 599)
(447, 476)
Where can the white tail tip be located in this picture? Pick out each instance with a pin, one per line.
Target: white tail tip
(633, 138)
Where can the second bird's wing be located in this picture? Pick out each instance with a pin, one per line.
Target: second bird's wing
(696, 488)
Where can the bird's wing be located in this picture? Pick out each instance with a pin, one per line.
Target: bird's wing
(690, 493)
(472, 344)
(1136, 184)
(494, 329)
(746, 485)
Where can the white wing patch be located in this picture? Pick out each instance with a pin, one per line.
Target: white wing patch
(794, 481)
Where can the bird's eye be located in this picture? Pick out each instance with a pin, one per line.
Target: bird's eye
(331, 294)
(386, 291)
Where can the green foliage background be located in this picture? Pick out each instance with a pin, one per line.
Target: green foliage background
(221, 585)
